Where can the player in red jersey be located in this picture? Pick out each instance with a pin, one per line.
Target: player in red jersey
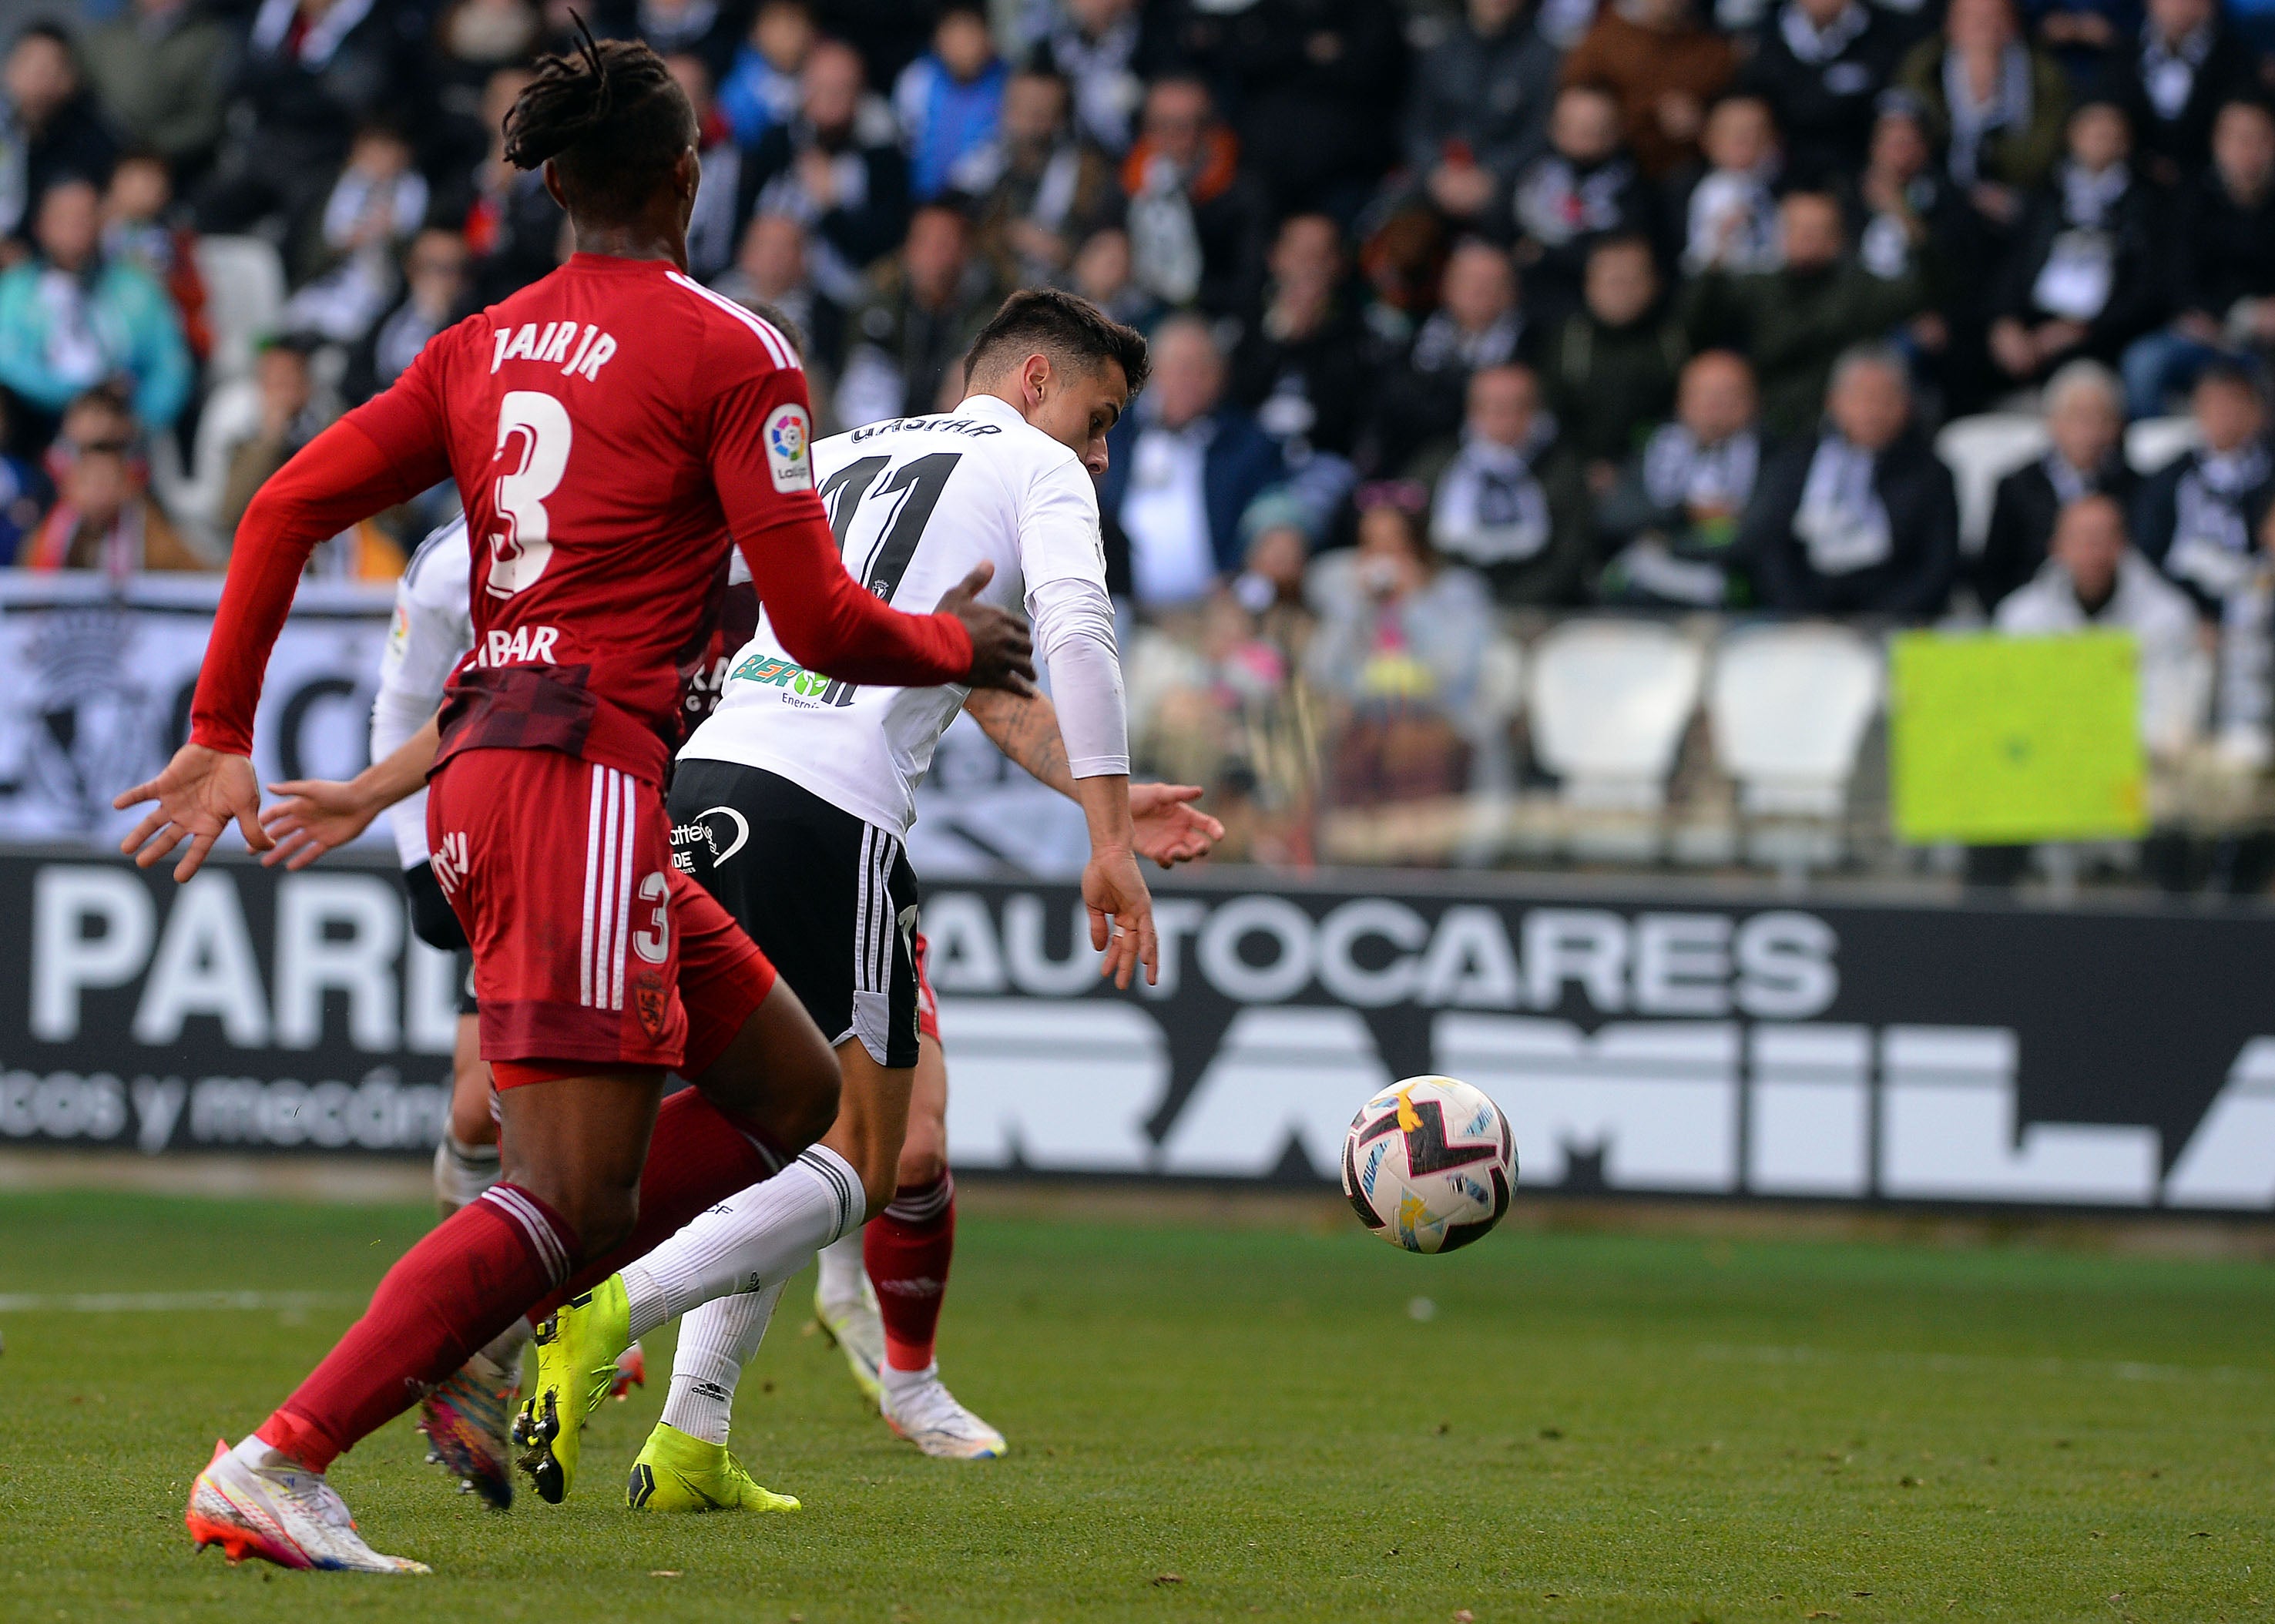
(608, 428)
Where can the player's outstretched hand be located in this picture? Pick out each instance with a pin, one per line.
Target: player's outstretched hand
(198, 795)
(1120, 915)
(1002, 655)
(315, 815)
(1170, 829)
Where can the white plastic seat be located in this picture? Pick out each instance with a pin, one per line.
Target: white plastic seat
(2153, 443)
(244, 298)
(192, 497)
(1788, 706)
(1980, 451)
(1608, 701)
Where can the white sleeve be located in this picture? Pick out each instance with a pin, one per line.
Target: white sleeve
(1063, 562)
(430, 633)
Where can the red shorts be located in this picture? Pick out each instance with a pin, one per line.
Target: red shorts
(927, 1006)
(589, 946)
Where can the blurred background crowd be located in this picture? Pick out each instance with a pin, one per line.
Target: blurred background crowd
(1511, 359)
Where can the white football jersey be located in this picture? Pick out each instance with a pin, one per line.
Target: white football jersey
(431, 632)
(916, 504)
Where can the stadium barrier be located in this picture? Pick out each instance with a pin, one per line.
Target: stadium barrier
(1668, 1040)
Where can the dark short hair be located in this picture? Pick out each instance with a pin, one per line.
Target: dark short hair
(609, 117)
(780, 321)
(1061, 325)
(2226, 372)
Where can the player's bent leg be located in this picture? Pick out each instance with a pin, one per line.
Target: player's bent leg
(753, 1239)
(845, 1302)
(907, 1249)
(466, 1419)
(578, 1144)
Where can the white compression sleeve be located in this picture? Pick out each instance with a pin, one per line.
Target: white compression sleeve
(753, 1239)
(715, 1341)
(1073, 621)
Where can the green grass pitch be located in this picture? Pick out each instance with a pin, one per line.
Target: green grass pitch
(1235, 1423)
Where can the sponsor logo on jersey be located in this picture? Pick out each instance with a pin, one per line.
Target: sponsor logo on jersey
(789, 437)
(522, 645)
(781, 674)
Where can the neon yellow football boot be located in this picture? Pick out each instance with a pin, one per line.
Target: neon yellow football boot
(576, 1349)
(679, 1473)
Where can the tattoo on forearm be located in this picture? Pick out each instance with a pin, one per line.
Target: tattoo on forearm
(1027, 730)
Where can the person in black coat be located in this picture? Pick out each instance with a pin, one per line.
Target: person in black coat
(2085, 414)
(311, 76)
(2221, 259)
(836, 169)
(1477, 111)
(62, 130)
(2196, 520)
(1584, 187)
(2183, 69)
(1863, 520)
(1302, 364)
(2083, 278)
(1821, 65)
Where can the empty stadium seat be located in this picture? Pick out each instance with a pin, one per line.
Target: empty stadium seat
(1980, 451)
(192, 497)
(1788, 706)
(245, 297)
(1609, 701)
(2152, 442)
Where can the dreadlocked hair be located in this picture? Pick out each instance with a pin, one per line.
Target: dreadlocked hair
(609, 117)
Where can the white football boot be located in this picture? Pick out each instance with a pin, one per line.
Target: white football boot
(854, 1325)
(920, 1408)
(281, 1514)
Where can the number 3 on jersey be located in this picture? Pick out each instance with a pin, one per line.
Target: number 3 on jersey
(533, 455)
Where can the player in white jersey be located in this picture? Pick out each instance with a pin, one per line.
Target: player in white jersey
(790, 805)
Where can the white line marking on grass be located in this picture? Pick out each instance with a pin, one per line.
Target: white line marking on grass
(2117, 1369)
(165, 1301)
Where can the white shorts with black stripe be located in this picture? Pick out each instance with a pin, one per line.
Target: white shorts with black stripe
(830, 898)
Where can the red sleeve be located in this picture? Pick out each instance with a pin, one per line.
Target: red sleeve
(761, 434)
(383, 452)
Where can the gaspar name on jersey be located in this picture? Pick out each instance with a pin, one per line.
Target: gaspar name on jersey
(930, 425)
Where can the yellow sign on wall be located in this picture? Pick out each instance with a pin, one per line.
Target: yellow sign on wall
(2003, 740)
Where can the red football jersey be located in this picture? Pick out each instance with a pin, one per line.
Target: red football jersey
(609, 427)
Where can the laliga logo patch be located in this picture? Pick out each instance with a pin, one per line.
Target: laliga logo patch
(788, 435)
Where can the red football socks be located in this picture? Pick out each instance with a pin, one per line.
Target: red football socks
(698, 1157)
(471, 1277)
(906, 1249)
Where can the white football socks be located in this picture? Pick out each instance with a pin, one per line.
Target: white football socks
(463, 1171)
(756, 1238)
(843, 1272)
(715, 1341)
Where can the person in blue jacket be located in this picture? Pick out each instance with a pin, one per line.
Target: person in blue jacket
(1183, 465)
(71, 320)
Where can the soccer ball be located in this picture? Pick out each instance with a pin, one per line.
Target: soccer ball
(1428, 1164)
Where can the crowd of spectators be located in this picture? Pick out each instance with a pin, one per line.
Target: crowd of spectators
(1458, 308)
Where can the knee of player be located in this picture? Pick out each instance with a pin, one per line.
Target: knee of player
(602, 1218)
(920, 1164)
(812, 1098)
